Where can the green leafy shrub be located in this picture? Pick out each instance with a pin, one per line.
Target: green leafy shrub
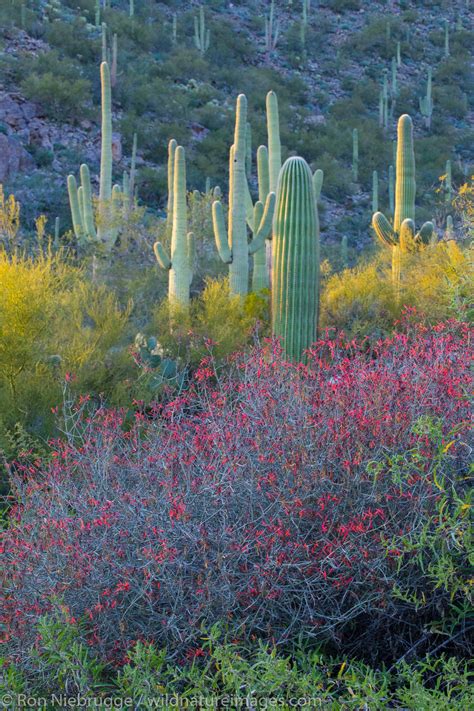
(361, 300)
(59, 97)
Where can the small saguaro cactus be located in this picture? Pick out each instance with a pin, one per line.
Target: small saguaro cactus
(402, 234)
(97, 13)
(180, 263)
(113, 67)
(202, 36)
(399, 54)
(174, 28)
(233, 247)
(394, 87)
(295, 292)
(131, 8)
(272, 29)
(355, 155)
(426, 102)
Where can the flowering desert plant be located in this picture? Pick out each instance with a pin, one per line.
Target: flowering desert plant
(280, 499)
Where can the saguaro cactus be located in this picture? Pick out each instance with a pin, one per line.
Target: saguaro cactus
(375, 192)
(402, 234)
(355, 155)
(180, 264)
(233, 247)
(295, 293)
(105, 188)
(260, 278)
(272, 29)
(426, 102)
(202, 36)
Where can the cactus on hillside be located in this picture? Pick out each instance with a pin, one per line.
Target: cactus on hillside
(448, 182)
(233, 247)
(355, 155)
(113, 68)
(399, 54)
(105, 184)
(272, 29)
(202, 36)
(446, 38)
(260, 277)
(131, 8)
(97, 13)
(295, 292)
(181, 261)
(402, 234)
(426, 102)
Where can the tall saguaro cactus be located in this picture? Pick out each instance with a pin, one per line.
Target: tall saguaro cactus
(402, 234)
(105, 187)
(180, 263)
(295, 292)
(426, 102)
(355, 155)
(233, 246)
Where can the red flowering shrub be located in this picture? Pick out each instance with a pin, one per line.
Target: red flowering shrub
(276, 498)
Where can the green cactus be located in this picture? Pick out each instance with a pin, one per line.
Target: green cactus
(449, 233)
(318, 178)
(56, 232)
(426, 102)
(174, 29)
(402, 234)
(169, 213)
(104, 42)
(105, 184)
(394, 86)
(272, 29)
(180, 264)
(399, 54)
(113, 67)
(375, 192)
(391, 189)
(76, 212)
(202, 36)
(260, 278)
(355, 155)
(233, 247)
(131, 8)
(295, 292)
(446, 38)
(97, 13)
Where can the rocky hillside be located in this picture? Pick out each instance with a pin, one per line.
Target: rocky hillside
(328, 67)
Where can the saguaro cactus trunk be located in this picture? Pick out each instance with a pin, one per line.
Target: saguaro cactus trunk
(295, 294)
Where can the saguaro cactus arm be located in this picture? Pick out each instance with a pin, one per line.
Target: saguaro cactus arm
(220, 232)
(264, 223)
(161, 257)
(384, 230)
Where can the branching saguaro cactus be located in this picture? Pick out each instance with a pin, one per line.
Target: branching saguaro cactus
(260, 277)
(181, 262)
(272, 29)
(202, 36)
(295, 292)
(233, 246)
(105, 189)
(402, 234)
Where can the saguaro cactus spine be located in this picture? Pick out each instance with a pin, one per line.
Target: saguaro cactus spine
(180, 264)
(233, 246)
(295, 292)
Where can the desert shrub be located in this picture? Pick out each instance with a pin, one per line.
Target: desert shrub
(216, 318)
(280, 499)
(261, 675)
(53, 321)
(59, 97)
(361, 300)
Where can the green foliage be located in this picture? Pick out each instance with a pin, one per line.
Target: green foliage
(58, 97)
(53, 321)
(227, 321)
(435, 282)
